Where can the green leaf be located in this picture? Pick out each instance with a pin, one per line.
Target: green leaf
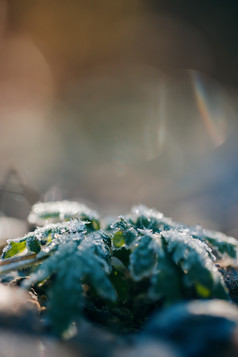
(100, 281)
(118, 240)
(65, 296)
(124, 235)
(93, 224)
(166, 282)
(14, 248)
(202, 291)
(120, 284)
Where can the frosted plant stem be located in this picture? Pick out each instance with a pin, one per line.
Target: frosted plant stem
(15, 263)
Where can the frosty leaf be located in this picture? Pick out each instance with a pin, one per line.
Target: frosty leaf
(143, 257)
(51, 212)
(99, 280)
(45, 238)
(104, 236)
(71, 269)
(147, 218)
(95, 244)
(66, 293)
(222, 245)
(192, 257)
(93, 223)
(72, 263)
(166, 280)
(124, 234)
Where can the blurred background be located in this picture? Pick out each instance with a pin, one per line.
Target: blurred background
(117, 103)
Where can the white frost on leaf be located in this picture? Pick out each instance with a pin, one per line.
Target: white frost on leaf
(195, 259)
(50, 212)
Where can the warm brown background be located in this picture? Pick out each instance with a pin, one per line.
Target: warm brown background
(122, 102)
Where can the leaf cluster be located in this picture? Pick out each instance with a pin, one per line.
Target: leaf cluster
(141, 261)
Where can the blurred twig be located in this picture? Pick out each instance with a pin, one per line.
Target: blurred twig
(18, 188)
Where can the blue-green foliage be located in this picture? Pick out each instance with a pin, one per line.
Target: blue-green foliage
(170, 260)
(177, 263)
(85, 258)
(142, 217)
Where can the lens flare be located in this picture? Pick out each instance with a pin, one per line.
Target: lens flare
(155, 128)
(211, 109)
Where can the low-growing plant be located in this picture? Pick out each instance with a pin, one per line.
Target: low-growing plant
(116, 274)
